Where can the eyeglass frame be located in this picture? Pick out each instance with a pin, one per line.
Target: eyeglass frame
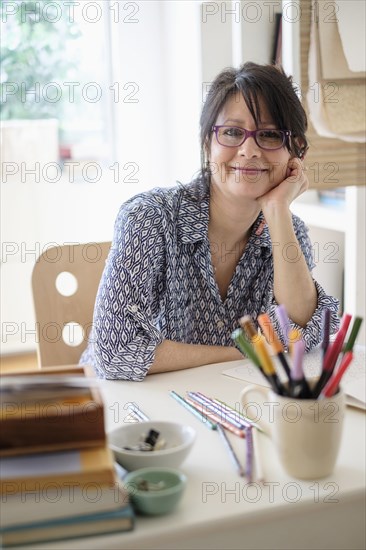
(252, 133)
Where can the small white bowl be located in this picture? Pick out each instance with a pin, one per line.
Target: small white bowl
(179, 439)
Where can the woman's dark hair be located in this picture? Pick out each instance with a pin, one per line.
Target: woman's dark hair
(268, 83)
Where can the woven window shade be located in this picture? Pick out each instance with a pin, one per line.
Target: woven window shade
(331, 162)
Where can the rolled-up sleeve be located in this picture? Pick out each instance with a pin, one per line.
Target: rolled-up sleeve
(312, 332)
(124, 336)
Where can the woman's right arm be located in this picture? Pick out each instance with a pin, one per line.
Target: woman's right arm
(172, 356)
(126, 343)
(124, 338)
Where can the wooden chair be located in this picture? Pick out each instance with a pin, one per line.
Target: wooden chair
(65, 281)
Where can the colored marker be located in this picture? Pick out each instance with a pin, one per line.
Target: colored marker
(267, 365)
(332, 355)
(246, 348)
(299, 387)
(273, 340)
(248, 326)
(294, 335)
(354, 332)
(193, 410)
(325, 331)
(284, 321)
(332, 385)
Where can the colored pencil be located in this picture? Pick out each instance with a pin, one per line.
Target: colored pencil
(244, 419)
(217, 409)
(257, 457)
(231, 451)
(193, 410)
(216, 418)
(249, 454)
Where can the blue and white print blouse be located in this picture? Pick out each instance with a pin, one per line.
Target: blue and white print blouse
(158, 283)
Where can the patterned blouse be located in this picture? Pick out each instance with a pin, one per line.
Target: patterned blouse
(159, 283)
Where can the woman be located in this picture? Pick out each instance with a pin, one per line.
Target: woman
(187, 262)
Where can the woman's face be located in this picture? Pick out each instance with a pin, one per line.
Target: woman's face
(246, 171)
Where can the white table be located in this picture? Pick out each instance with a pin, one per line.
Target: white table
(219, 509)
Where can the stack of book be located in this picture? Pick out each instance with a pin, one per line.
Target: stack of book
(57, 474)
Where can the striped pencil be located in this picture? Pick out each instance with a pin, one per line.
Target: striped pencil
(240, 416)
(193, 410)
(216, 418)
(218, 409)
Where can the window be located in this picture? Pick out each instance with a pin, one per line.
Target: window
(56, 64)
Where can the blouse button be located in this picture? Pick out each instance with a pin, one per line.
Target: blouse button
(220, 324)
(134, 308)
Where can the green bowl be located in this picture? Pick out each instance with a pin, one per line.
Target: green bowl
(155, 491)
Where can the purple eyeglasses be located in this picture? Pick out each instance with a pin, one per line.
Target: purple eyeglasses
(266, 138)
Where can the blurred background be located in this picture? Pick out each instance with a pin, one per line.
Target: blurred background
(101, 100)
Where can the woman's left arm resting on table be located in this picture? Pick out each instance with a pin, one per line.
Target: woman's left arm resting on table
(298, 291)
(293, 285)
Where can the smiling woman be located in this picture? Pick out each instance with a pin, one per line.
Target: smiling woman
(187, 262)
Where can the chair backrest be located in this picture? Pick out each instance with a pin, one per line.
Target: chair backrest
(65, 281)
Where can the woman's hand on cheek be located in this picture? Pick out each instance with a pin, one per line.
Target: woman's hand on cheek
(285, 192)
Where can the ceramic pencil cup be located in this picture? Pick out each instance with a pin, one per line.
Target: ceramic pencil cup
(306, 432)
